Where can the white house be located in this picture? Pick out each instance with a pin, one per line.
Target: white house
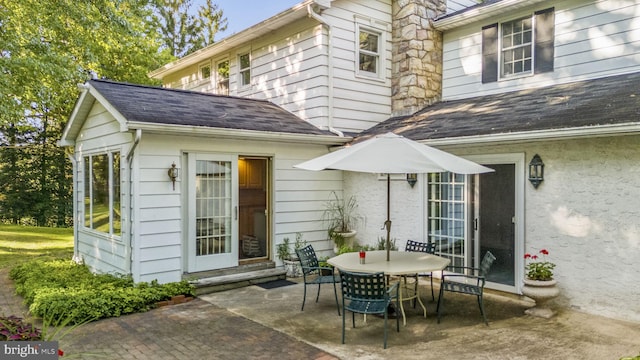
(497, 82)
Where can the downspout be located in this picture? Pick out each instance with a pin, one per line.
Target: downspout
(74, 164)
(131, 197)
(324, 22)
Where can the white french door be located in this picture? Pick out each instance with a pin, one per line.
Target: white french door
(470, 215)
(448, 222)
(212, 220)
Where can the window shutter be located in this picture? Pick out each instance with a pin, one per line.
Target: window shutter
(544, 38)
(490, 53)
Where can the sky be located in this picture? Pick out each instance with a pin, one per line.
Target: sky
(242, 14)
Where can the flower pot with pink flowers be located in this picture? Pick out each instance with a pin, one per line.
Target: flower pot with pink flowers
(539, 283)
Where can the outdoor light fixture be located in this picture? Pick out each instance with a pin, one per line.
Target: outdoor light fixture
(173, 174)
(412, 179)
(536, 171)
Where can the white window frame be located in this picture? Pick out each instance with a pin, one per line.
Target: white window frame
(201, 67)
(503, 49)
(112, 196)
(242, 71)
(379, 58)
(219, 79)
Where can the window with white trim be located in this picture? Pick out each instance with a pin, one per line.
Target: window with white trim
(222, 77)
(244, 66)
(368, 52)
(204, 71)
(102, 193)
(517, 47)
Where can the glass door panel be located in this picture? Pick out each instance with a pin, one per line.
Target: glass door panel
(447, 218)
(213, 212)
(496, 229)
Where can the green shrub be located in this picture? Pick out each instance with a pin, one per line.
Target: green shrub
(62, 289)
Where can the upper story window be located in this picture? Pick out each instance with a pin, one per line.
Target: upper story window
(204, 71)
(102, 193)
(244, 72)
(517, 47)
(521, 47)
(368, 52)
(222, 78)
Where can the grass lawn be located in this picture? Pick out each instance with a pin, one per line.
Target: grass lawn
(23, 243)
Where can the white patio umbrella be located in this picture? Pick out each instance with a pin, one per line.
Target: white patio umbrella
(392, 154)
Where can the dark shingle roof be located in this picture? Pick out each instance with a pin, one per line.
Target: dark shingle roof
(138, 103)
(606, 101)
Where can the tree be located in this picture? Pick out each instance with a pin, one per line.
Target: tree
(184, 33)
(47, 47)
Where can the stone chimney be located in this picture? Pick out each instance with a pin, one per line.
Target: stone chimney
(417, 55)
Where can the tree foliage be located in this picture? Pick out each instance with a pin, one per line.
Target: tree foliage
(184, 32)
(47, 47)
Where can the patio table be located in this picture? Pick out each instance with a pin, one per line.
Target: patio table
(400, 263)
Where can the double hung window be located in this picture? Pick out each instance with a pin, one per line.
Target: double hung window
(244, 62)
(205, 71)
(519, 47)
(368, 52)
(222, 78)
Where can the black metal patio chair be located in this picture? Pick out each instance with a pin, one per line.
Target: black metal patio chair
(366, 294)
(314, 274)
(429, 248)
(471, 283)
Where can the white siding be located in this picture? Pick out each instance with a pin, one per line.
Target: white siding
(297, 205)
(101, 252)
(591, 40)
(291, 68)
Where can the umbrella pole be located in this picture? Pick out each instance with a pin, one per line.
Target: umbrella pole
(387, 223)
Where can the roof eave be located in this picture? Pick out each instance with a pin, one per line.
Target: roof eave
(275, 22)
(238, 134)
(81, 109)
(632, 128)
(481, 13)
(88, 97)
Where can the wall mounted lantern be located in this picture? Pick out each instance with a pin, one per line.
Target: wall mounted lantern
(173, 174)
(536, 171)
(412, 179)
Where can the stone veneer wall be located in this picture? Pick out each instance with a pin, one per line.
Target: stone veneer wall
(417, 55)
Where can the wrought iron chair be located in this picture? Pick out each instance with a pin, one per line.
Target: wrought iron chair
(409, 290)
(366, 294)
(314, 274)
(470, 284)
(429, 248)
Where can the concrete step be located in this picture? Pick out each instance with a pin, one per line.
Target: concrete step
(218, 283)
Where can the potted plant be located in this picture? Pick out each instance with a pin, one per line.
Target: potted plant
(288, 255)
(340, 217)
(539, 283)
(322, 262)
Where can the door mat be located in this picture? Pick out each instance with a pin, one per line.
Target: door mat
(275, 284)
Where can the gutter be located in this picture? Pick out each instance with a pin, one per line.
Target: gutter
(324, 22)
(480, 12)
(239, 134)
(540, 135)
